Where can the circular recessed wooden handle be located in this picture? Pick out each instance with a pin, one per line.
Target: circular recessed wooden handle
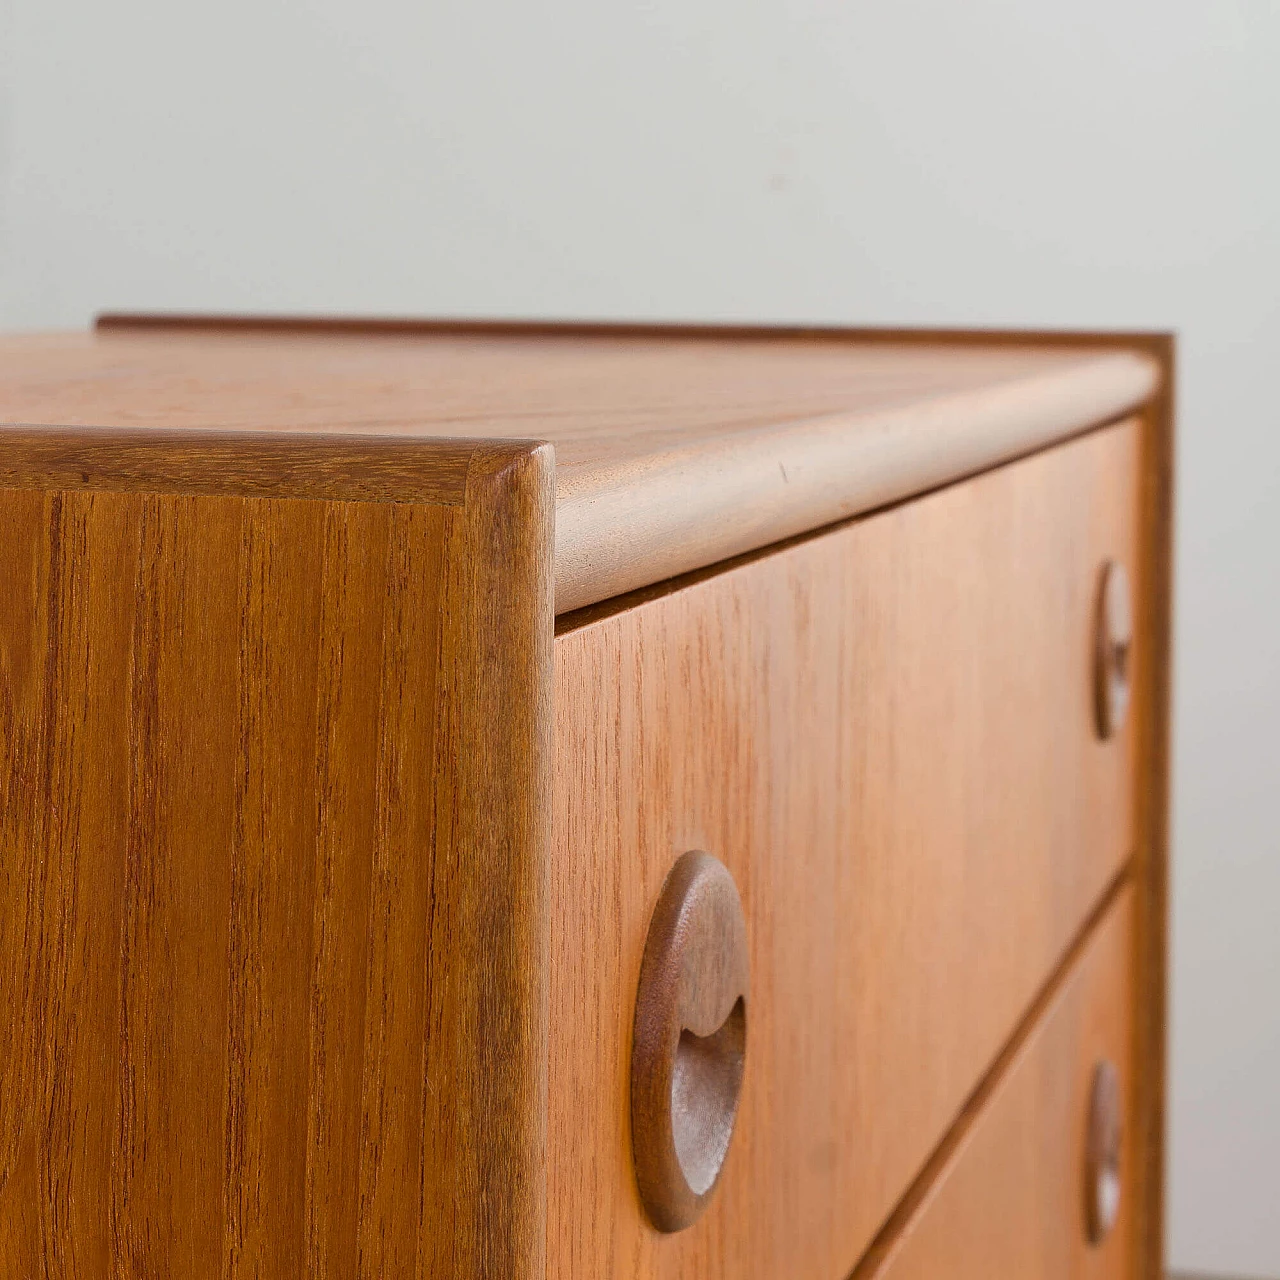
(690, 1040)
(1102, 1153)
(1113, 655)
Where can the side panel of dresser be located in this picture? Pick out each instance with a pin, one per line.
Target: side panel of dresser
(887, 734)
(1011, 1195)
(275, 805)
(1151, 861)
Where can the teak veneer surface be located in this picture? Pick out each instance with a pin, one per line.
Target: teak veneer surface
(281, 904)
(886, 732)
(273, 817)
(1010, 1198)
(672, 452)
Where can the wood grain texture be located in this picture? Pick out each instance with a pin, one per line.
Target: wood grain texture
(274, 805)
(674, 450)
(886, 733)
(282, 610)
(265, 464)
(689, 1040)
(1010, 1199)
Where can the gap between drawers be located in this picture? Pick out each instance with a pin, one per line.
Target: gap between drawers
(974, 1105)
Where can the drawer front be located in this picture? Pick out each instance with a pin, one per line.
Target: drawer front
(1012, 1199)
(887, 734)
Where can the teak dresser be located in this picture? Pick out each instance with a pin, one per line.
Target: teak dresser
(558, 803)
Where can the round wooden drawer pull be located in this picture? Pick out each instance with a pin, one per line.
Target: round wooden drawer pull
(690, 1040)
(1114, 645)
(1102, 1153)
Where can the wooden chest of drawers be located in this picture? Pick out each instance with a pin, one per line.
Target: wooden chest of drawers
(572, 803)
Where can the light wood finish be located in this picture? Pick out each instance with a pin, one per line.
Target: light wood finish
(689, 1040)
(280, 900)
(674, 451)
(887, 734)
(274, 806)
(1010, 1199)
(235, 464)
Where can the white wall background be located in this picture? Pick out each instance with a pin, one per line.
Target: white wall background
(998, 162)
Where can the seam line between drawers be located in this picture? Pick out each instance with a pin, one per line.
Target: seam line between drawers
(882, 1246)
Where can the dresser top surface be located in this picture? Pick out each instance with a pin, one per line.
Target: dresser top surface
(673, 450)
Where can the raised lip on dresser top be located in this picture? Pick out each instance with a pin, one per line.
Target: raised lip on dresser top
(676, 448)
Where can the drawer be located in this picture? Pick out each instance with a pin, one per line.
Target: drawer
(887, 735)
(1013, 1197)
